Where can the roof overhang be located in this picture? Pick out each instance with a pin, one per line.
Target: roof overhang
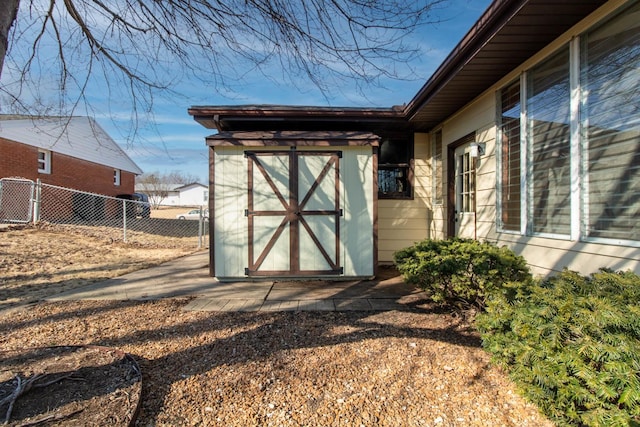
(506, 35)
(297, 118)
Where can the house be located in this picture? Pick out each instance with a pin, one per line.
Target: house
(192, 194)
(527, 135)
(73, 152)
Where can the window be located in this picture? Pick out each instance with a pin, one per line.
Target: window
(116, 177)
(438, 181)
(394, 168)
(44, 161)
(582, 170)
(205, 195)
(509, 178)
(548, 122)
(610, 127)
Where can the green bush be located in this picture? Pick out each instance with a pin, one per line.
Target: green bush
(461, 270)
(572, 344)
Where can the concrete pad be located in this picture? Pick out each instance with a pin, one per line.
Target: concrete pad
(243, 305)
(352, 305)
(386, 304)
(238, 290)
(316, 305)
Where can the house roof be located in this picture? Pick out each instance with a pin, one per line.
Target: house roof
(79, 137)
(507, 34)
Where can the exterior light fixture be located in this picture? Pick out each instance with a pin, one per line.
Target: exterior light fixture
(476, 149)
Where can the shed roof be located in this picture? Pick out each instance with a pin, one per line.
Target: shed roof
(79, 137)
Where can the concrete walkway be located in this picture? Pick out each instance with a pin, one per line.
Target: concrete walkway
(188, 276)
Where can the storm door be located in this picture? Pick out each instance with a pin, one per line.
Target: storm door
(294, 213)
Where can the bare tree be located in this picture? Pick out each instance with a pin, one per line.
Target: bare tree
(158, 186)
(147, 47)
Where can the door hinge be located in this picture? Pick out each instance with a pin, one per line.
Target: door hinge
(246, 271)
(341, 212)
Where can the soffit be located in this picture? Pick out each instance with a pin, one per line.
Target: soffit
(507, 34)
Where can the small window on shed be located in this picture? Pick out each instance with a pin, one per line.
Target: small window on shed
(395, 175)
(116, 177)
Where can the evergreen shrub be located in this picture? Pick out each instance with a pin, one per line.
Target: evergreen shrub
(463, 271)
(572, 344)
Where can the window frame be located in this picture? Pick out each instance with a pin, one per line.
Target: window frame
(407, 167)
(578, 143)
(437, 166)
(44, 163)
(117, 177)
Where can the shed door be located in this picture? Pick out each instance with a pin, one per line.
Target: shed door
(293, 213)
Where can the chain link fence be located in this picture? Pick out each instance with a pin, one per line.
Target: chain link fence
(23, 201)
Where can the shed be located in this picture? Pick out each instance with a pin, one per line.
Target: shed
(293, 204)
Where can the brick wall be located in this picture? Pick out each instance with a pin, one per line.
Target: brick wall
(20, 160)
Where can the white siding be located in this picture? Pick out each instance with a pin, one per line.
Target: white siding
(230, 226)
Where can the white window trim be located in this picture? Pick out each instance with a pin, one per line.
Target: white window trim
(116, 177)
(437, 181)
(46, 161)
(578, 166)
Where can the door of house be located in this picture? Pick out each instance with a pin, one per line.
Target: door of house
(465, 193)
(293, 213)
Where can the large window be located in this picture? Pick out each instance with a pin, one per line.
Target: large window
(610, 127)
(395, 174)
(582, 144)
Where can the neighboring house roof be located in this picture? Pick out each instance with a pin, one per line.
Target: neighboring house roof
(190, 186)
(507, 34)
(79, 137)
(173, 187)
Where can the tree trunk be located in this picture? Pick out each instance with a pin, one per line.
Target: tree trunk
(8, 13)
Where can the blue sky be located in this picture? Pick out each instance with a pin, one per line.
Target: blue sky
(167, 139)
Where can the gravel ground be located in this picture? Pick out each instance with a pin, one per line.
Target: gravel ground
(412, 368)
(418, 368)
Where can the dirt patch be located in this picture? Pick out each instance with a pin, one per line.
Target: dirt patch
(36, 263)
(84, 386)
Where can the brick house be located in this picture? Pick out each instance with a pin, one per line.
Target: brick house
(73, 152)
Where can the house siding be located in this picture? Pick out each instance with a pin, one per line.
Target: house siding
(20, 160)
(401, 223)
(545, 256)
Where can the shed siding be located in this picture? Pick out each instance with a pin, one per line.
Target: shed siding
(230, 229)
(230, 198)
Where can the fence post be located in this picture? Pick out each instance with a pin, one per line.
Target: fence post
(124, 220)
(37, 201)
(200, 227)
